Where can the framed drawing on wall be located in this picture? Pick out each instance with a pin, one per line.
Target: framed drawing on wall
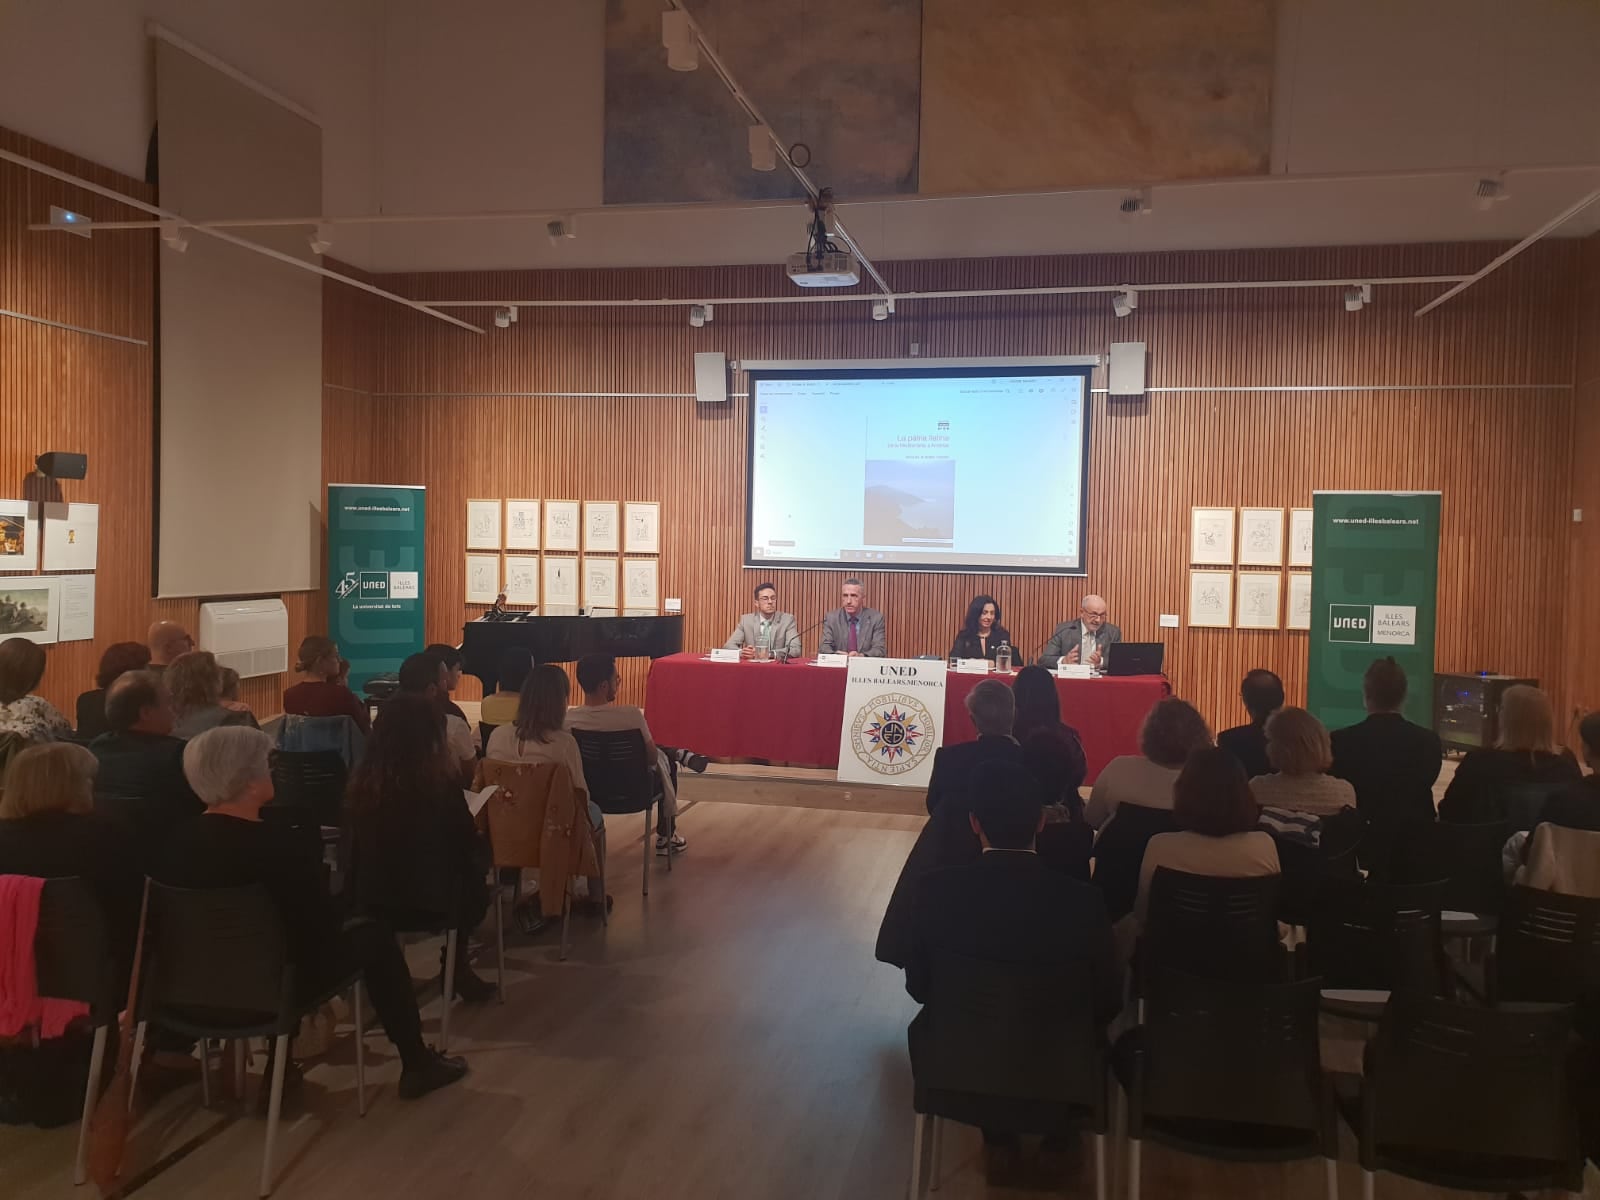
(483, 578)
(1299, 614)
(599, 582)
(522, 524)
(522, 579)
(19, 536)
(641, 595)
(1261, 537)
(641, 527)
(600, 533)
(1259, 593)
(560, 586)
(1211, 536)
(30, 607)
(1211, 599)
(1300, 537)
(483, 524)
(560, 527)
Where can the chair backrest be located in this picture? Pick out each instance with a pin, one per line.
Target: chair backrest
(1492, 1082)
(1307, 869)
(1467, 859)
(1380, 936)
(312, 780)
(1562, 860)
(616, 769)
(1119, 852)
(1547, 950)
(72, 948)
(1011, 1030)
(214, 950)
(1212, 927)
(484, 732)
(1245, 1052)
(516, 811)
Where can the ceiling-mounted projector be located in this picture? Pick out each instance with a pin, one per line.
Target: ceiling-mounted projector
(835, 268)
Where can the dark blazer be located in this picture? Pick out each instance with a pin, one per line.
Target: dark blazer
(141, 784)
(1009, 907)
(953, 765)
(967, 645)
(1485, 779)
(419, 856)
(91, 715)
(1577, 807)
(1054, 756)
(1248, 744)
(871, 638)
(1392, 764)
(1069, 634)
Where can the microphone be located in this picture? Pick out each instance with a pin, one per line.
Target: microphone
(807, 630)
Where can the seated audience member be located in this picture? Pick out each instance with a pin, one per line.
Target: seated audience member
(981, 634)
(1300, 753)
(1039, 716)
(992, 707)
(500, 706)
(1262, 693)
(1053, 754)
(322, 691)
(118, 658)
(231, 686)
(49, 829)
(1578, 805)
(140, 782)
(168, 641)
(416, 857)
(1390, 762)
(539, 735)
(1172, 730)
(600, 713)
(230, 846)
(1217, 833)
(1524, 757)
(1006, 907)
(195, 683)
(30, 717)
(424, 675)
(450, 656)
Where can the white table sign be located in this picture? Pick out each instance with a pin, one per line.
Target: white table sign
(893, 721)
(725, 654)
(973, 666)
(833, 660)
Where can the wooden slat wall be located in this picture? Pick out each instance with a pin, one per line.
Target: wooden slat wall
(1583, 632)
(1500, 457)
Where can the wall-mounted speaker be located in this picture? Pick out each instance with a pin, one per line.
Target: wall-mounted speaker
(711, 378)
(1125, 371)
(61, 464)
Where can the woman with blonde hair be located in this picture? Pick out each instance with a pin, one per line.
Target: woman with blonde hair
(1300, 752)
(1173, 729)
(322, 690)
(195, 683)
(1511, 780)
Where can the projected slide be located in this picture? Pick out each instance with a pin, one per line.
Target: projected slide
(923, 469)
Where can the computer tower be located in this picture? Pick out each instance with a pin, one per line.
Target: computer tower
(1466, 708)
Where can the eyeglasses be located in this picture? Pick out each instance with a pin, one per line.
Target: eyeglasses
(1090, 613)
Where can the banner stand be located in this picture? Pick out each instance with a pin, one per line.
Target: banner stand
(893, 721)
(375, 575)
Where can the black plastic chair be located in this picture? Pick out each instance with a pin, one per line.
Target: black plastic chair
(1471, 1098)
(73, 961)
(1524, 802)
(1228, 1070)
(621, 779)
(1548, 951)
(1212, 927)
(1467, 859)
(1376, 937)
(216, 967)
(313, 780)
(1119, 853)
(1308, 869)
(484, 732)
(1006, 1047)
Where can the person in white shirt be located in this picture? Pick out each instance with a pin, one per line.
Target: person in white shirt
(426, 675)
(1172, 730)
(600, 712)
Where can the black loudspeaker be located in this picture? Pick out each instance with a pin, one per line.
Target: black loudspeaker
(61, 464)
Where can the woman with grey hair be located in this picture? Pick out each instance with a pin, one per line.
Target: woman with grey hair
(229, 845)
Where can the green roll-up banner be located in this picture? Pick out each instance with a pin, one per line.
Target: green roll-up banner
(1374, 594)
(375, 575)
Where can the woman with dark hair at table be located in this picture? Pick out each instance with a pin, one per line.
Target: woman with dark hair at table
(981, 634)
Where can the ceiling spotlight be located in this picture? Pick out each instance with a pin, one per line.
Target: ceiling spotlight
(677, 35)
(1125, 301)
(1490, 191)
(561, 229)
(72, 222)
(699, 314)
(321, 239)
(174, 236)
(1136, 204)
(882, 309)
(763, 152)
(1357, 297)
(505, 318)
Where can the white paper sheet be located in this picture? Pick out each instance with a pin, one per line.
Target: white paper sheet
(71, 537)
(76, 603)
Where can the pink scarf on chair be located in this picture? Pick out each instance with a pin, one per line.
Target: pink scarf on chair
(21, 1006)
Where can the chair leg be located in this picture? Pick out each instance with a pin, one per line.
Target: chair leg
(280, 1067)
(361, 1049)
(919, 1123)
(1331, 1166)
(1134, 1148)
(138, 1055)
(450, 949)
(500, 939)
(647, 851)
(605, 890)
(936, 1136)
(239, 1052)
(1099, 1166)
(97, 1062)
(205, 1072)
(1369, 1185)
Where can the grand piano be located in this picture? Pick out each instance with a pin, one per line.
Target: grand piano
(565, 639)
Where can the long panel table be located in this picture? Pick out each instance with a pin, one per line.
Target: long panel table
(791, 712)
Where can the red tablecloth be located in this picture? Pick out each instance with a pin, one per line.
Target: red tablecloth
(791, 712)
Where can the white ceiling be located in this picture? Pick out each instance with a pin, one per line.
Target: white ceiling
(495, 105)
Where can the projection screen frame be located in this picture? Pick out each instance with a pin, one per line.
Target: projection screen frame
(1082, 365)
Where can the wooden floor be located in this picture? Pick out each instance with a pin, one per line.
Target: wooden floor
(730, 1037)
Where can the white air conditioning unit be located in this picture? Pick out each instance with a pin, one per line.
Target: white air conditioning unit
(251, 636)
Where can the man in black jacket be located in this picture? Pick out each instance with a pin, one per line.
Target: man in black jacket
(140, 782)
(1578, 807)
(993, 710)
(1262, 693)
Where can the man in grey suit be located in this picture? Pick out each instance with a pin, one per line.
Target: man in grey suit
(853, 628)
(1083, 640)
(778, 631)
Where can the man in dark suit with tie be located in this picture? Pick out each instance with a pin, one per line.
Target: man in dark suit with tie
(853, 628)
(1083, 640)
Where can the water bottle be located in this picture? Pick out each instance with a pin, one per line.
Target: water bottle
(1002, 658)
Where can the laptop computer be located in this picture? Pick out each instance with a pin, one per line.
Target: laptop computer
(1135, 658)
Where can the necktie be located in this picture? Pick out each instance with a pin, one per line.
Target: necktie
(764, 639)
(853, 645)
